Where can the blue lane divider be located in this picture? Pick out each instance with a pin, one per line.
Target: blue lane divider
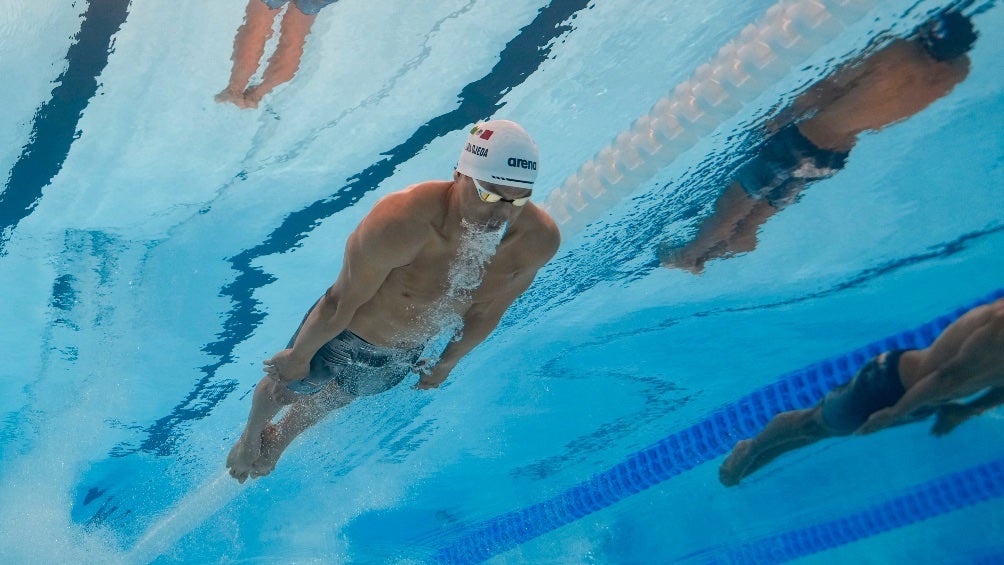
(684, 450)
(939, 496)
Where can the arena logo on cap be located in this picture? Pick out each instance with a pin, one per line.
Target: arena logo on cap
(482, 133)
(522, 163)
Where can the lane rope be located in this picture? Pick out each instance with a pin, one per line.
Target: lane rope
(764, 51)
(685, 449)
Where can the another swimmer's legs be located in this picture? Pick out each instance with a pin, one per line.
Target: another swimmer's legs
(249, 45)
(302, 414)
(786, 432)
(283, 64)
(744, 237)
(732, 207)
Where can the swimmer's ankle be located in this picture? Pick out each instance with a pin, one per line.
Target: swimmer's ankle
(252, 97)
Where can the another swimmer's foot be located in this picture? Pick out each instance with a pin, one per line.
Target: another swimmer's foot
(235, 97)
(242, 457)
(252, 96)
(734, 468)
(682, 259)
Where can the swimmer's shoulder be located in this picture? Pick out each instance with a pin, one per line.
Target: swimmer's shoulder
(420, 203)
(539, 231)
(424, 199)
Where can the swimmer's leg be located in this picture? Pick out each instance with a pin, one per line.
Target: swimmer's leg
(283, 64)
(732, 211)
(786, 432)
(269, 397)
(249, 46)
(301, 415)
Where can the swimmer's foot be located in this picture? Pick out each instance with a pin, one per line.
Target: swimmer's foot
(682, 258)
(252, 96)
(271, 449)
(736, 466)
(242, 457)
(235, 97)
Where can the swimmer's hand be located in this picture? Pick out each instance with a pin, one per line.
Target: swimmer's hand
(880, 420)
(286, 367)
(949, 417)
(430, 377)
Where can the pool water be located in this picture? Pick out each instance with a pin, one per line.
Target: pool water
(156, 246)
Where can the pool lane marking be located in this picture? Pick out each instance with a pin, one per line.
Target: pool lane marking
(54, 126)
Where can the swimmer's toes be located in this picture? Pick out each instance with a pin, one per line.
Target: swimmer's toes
(231, 96)
(250, 99)
(733, 470)
(727, 477)
(241, 477)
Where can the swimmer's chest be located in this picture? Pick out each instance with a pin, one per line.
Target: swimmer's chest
(440, 269)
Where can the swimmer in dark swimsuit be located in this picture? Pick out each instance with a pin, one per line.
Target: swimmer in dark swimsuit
(897, 387)
(812, 139)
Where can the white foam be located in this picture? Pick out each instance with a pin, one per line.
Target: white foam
(185, 516)
(477, 247)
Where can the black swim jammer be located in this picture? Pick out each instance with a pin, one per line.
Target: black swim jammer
(308, 7)
(784, 164)
(877, 385)
(356, 365)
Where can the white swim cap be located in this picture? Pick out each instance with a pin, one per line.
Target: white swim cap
(500, 152)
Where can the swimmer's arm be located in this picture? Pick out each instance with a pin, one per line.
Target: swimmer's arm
(479, 322)
(482, 318)
(816, 97)
(933, 389)
(987, 401)
(973, 345)
(951, 415)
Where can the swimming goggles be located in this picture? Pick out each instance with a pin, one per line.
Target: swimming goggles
(490, 197)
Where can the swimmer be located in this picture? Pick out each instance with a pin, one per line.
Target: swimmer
(812, 140)
(249, 46)
(896, 387)
(365, 335)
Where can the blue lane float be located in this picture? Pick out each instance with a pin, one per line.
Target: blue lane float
(933, 498)
(686, 449)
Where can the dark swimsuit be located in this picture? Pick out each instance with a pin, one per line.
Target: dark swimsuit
(356, 365)
(308, 7)
(784, 164)
(876, 386)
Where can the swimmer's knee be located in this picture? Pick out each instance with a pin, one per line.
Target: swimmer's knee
(282, 395)
(275, 391)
